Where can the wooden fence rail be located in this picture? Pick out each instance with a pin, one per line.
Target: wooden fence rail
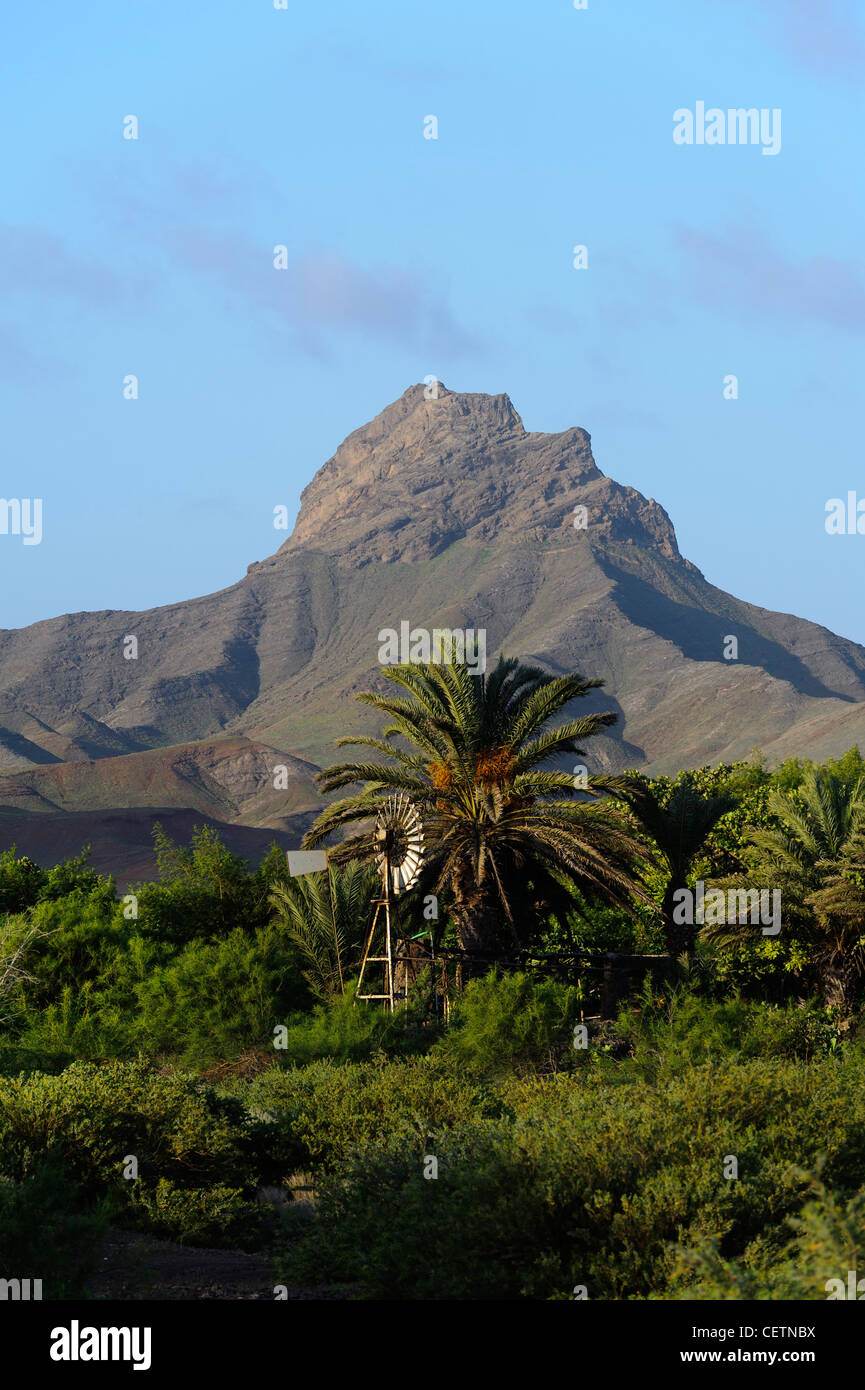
(612, 974)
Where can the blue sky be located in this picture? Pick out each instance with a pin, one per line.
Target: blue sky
(410, 257)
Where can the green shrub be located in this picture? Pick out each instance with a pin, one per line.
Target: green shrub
(667, 1033)
(326, 1111)
(825, 1241)
(206, 890)
(45, 1233)
(75, 875)
(23, 883)
(589, 1184)
(342, 1030)
(81, 937)
(506, 1023)
(220, 1217)
(105, 991)
(216, 999)
(84, 1024)
(83, 1001)
(16, 1060)
(89, 1118)
(20, 881)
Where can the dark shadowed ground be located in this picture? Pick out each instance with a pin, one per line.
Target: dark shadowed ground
(141, 1267)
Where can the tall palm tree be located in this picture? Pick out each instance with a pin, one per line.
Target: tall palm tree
(813, 858)
(324, 914)
(679, 825)
(473, 756)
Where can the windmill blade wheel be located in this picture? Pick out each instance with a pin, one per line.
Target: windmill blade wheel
(399, 830)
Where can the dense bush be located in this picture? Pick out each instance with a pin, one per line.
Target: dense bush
(23, 883)
(98, 1018)
(590, 1184)
(668, 1033)
(214, 999)
(342, 1030)
(212, 1216)
(88, 1119)
(20, 881)
(201, 1155)
(80, 938)
(326, 1111)
(825, 1240)
(505, 1023)
(47, 1233)
(116, 993)
(16, 1060)
(205, 891)
(191, 968)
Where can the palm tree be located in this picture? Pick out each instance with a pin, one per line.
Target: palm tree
(839, 907)
(813, 858)
(815, 823)
(679, 824)
(474, 759)
(324, 915)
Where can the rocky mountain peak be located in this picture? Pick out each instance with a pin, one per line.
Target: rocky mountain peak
(433, 469)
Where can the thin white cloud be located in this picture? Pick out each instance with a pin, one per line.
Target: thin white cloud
(742, 270)
(35, 261)
(323, 293)
(825, 36)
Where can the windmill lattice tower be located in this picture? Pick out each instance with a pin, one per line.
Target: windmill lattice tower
(399, 857)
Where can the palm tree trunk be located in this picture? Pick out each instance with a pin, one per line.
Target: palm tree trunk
(479, 926)
(680, 937)
(838, 981)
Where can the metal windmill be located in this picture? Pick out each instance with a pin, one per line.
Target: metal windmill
(399, 856)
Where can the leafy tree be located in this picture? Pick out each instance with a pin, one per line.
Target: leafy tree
(849, 768)
(206, 890)
(75, 875)
(476, 764)
(20, 881)
(23, 883)
(205, 861)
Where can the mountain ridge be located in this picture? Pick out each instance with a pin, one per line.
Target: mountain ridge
(443, 511)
